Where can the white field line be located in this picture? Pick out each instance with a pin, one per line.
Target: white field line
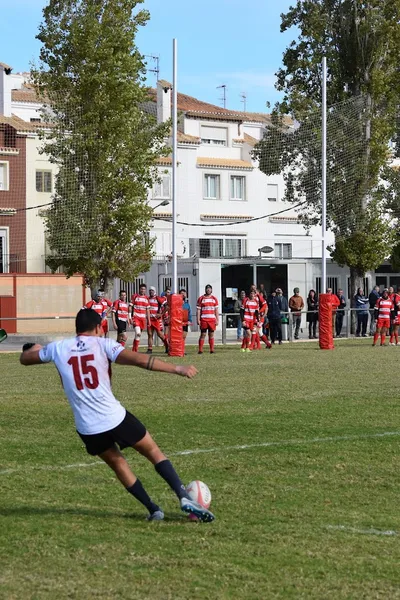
(371, 531)
(318, 440)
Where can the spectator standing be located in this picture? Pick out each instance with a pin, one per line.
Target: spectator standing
(361, 304)
(340, 313)
(296, 305)
(284, 308)
(373, 298)
(236, 309)
(263, 291)
(312, 314)
(274, 318)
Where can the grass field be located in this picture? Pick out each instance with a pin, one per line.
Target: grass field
(307, 508)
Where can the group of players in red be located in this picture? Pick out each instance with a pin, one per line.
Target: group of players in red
(253, 313)
(151, 312)
(387, 311)
(143, 312)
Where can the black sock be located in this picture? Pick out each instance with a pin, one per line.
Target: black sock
(168, 473)
(138, 491)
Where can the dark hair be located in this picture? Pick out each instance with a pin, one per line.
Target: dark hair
(86, 320)
(142, 285)
(122, 292)
(182, 290)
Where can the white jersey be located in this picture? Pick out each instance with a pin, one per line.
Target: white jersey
(84, 364)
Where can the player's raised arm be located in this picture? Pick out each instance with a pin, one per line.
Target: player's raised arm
(143, 361)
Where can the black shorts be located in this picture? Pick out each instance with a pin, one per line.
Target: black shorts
(127, 433)
(185, 328)
(121, 326)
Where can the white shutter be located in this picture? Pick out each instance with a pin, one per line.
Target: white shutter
(214, 133)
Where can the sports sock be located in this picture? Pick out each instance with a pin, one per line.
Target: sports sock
(165, 342)
(244, 342)
(253, 340)
(247, 342)
(383, 338)
(201, 344)
(212, 344)
(376, 335)
(391, 338)
(137, 490)
(135, 346)
(258, 341)
(168, 473)
(266, 341)
(396, 337)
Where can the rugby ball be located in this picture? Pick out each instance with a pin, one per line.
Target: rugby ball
(199, 492)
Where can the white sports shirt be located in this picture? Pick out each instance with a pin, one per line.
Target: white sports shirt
(84, 364)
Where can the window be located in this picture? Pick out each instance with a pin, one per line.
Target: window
(217, 247)
(162, 189)
(364, 285)
(331, 282)
(238, 191)
(272, 192)
(215, 136)
(4, 267)
(4, 179)
(283, 250)
(132, 287)
(183, 282)
(44, 181)
(212, 186)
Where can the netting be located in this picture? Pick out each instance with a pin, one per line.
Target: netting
(294, 150)
(73, 190)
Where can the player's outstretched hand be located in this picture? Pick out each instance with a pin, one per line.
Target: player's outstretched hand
(185, 371)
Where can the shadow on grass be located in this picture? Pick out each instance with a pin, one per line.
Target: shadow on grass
(22, 511)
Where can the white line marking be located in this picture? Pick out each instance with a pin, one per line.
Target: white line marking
(371, 531)
(318, 440)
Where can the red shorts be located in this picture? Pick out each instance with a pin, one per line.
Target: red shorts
(248, 324)
(209, 326)
(138, 322)
(396, 320)
(383, 323)
(155, 325)
(104, 325)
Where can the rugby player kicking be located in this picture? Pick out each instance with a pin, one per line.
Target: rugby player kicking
(105, 427)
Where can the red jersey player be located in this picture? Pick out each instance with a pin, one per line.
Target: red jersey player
(249, 316)
(102, 306)
(395, 297)
(155, 324)
(140, 314)
(120, 317)
(259, 323)
(207, 318)
(383, 310)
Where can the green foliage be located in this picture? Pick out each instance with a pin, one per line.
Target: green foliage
(103, 142)
(361, 41)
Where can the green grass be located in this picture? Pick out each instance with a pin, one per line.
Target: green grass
(297, 519)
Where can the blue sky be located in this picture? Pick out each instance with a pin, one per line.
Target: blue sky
(231, 42)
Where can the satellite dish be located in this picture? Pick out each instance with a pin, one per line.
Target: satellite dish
(266, 249)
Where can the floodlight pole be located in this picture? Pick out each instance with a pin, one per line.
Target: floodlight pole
(174, 164)
(323, 183)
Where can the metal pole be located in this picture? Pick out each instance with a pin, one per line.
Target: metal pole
(323, 183)
(174, 164)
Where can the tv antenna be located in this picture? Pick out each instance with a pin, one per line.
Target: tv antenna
(223, 97)
(156, 60)
(243, 96)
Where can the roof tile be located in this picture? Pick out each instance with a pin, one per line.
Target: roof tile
(224, 163)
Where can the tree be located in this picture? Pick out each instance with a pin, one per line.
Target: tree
(103, 141)
(361, 41)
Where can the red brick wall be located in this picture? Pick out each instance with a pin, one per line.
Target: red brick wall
(15, 197)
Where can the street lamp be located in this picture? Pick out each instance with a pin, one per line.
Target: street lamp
(163, 203)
